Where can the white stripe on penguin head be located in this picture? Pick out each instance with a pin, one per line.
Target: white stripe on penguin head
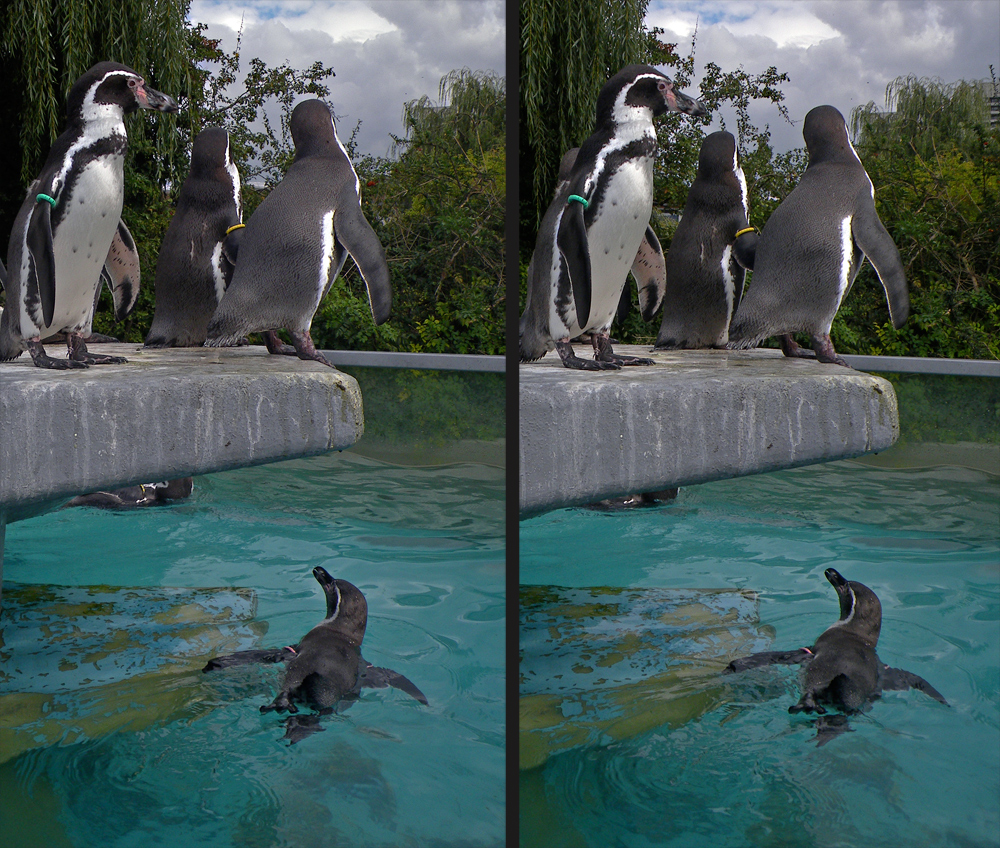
(336, 606)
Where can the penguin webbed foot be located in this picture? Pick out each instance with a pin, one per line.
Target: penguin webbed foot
(78, 353)
(830, 727)
(282, 703)
(571, 360)
(302, 346)
(604, 353)
(43, 360)
(807, 703)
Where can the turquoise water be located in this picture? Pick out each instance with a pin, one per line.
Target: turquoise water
(172, 757)
(739, 770)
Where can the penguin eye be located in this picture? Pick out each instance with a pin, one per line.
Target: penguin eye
(133, 82)
(665, 86)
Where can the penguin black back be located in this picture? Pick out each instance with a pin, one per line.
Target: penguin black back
(842, 669)
(710, 249)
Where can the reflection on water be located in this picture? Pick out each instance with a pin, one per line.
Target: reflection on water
(737, 769)
(126, 743)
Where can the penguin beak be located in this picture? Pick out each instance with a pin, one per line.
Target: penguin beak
(835, 579)
(150, 98)
(678, 101)
(322, 576)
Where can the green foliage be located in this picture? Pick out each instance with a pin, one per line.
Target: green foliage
(431, 407)
(935, 164)
(568, 51)
(935, 408)
(679, 137)
(439, 212)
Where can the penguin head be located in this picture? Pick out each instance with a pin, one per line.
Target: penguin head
(314, 131)
(346, 607)
(860, 610)
(825, 134)
(110, 84)
(717, 156)
(210, 151)
(640, 87)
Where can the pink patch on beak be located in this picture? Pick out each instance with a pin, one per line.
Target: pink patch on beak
(667, 90)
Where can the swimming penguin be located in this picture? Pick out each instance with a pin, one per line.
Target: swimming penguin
(813, 245)
(842, 669)
(325, 670)
(597, 226)
(711, 247)
(193, 269)
(296, 242)
(145, 494)
(68, 236)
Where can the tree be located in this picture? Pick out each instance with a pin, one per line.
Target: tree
(568, 51)
(935, 164)
(679, 137)
(439, 211)
(46, 46)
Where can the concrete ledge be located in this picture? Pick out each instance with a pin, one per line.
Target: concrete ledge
(694, 417)
(167, 413)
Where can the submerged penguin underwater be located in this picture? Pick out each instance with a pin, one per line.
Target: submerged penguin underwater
(842, 669)
(325, 670)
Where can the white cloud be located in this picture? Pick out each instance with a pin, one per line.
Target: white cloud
(841, 52)
(384, 52)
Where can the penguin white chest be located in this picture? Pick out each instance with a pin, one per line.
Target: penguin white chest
(81, 240)
(614, 237)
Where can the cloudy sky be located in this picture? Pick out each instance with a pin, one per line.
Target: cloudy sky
(840, 52)
(384, 52)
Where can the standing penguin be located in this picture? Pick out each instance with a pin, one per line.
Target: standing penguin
(842, 668)
(711, 247)
(597, 227)
(296, 242)
(193, 271)
(325, 670)
(813, 245)
(68, 235)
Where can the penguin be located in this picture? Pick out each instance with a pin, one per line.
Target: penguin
(145, 494)
(296, 243)
(813, 245)
(842, 669)
(68, 235)
(711, 247)
(193, 269)
(597, 227)
(325, 670)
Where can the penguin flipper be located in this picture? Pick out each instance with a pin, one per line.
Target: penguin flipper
(574, 250)
(121, 271)
(380, 678)
(871, 236)
(769, 658)
(898, 679)
(354, 232)
(267, 655)
(650, 272)
(41, 282)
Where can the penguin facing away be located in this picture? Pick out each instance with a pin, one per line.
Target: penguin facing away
(68, 235)
(597, 227)
(812, 247)
(842, 669)
(296, 242)
(193, 269)
(325, 670)
(711, 247)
